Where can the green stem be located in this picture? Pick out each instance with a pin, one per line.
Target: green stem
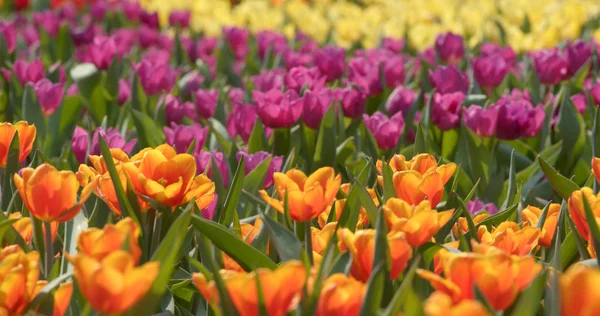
(156, 233)
(49, 253)
(308, 241)
(281, 141)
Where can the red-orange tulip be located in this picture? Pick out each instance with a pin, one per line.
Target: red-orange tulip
(19, 272)
(308, 197)
(580, 291)
(26, 137)
(577, 211)
(440, 304)
(531, 216)
(279, 287)
(510, 238)
(361, 246)
(341, 295)
(596, 168)
(321, 237)
(49, 194)
(61, 297)
(248, 233)
(114, 284)
(98, 243)
(462, 224)
(419, 223)
(24, 228)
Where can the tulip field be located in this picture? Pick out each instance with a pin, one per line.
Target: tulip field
(299, 157)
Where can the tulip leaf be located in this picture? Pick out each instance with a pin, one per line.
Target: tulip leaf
(344, 151)
(388, 184)
(326, 146)
(512, 184)
(72, 230)
(342, 264)
(563, 186)
(258, 140)
(349, 215)
(12, 166)
(287, 245)
(147, 133)
(395, 304)
(32, 113)
(245, 255)
(367, 202)
(502, 216)
(233, 195)
(579, 241)
(374, 295)
(5, 224)
(420, 141)
(322, 273)
(529, 300)
(167, 254)
(571, 129)
(467, 215)
(552, 291)
(592, 223)
(256, 178)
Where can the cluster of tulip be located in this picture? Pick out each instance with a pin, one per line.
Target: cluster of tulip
(275, 157)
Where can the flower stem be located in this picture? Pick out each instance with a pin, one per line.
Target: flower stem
(308, 241)
(49, 253)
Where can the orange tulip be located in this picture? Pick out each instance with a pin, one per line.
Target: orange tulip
(499, 276)
(19, 272)
(440, 304)
(49, 194)
(531, 215)
(341, 203)
(577, 211)
(98, 243)
(169, 178)
(419, 223)
(114, 284)
(61, 297)
(580, 295)
(511, 238)
(321, 237)
(596, 168)
(341, 295)
(279, 288)
(361, 246)
(99, 164)
(418, 179)
(308, 197)
(24, 228)
(248, 233)
(26, 134)
(462, 224)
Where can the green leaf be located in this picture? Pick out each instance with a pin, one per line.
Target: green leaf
(221, 133)
(395, 304)
(89, 84)
(374, 294)
(592, 224)
(367, 202)
(257, 141)
(388, 184)
(12, 166)
(148, 134)
(498, 218)
(233, 195)
(529, 300)
(32, 113)
(345, 150)
(72, 230)
(563, 186)
(467, 215)
(571, 129)
(512, 185)
(247, 256)
(420, 141)
(326, 146)
(287, 245)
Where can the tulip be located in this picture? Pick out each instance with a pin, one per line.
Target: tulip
(30, 35)
(98, 243)
(103, 52)
(579, 293)
(510, 238)
(150, 19)
(241, 121)
(279, 288)
(596, 168)
(387, 131)
(132, 10)
(236, 96)
(48, 20)
(445, 110)
(476, 206)
(29, 72)
(418, 223)
(365, 74)
(531, 216)
(237, 38)
(361, 246)
(156, 78)
(498, 276)
(507, 53)
(248, 233)
(462, 224)
(418, 178)
(481, 121)
(268, 80)
(182, 136)
(98, 11)
(577, 54)
(299, 78)
(206, 102)
(550, 67)
(352, 101)
(293, 59)
(340, 204)
(19, 274)
(489, 71)
(170, 178)
(9, 33)
(331, 62)
(49, 95)
(270, 41)
(23, 226)
(577, 211)
(26, 134)
(321, 237)
(393, 71)
(83, 36)
(277, 109)
(50, 195)
(440, 304)
(128, 283)
(518, 119)
(175, 110)
(450, 47)
(449, 79)
(307, 196)
(579, 100)
(61, 298)
(400, 100)
(124, 92)
(341, 295)
(204, 160)
(396, 46)
(80, 142)
(315, 105)
(179, 19)
(251, 161)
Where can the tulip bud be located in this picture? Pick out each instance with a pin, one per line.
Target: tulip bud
(445, 110)
(175, 110)
(156, 78)
(103, 51)
(489, 71)
(450, 47)
(577, 54)
(268, 80)
(268, 40)
(481, 121)
(315, 106)
(181, 136)
(331, 62)
(251, 161)
(49, 95)
(448, 79)
(387, 131)
(277, 109)
(237, 38)
(400, 100)
(550, 67)
(206, 102)
(299, 78)
(179, 19)
(29, 72)
(352, 101)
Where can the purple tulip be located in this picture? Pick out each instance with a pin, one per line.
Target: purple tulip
(149, 19)
(9, 32)
(98, 11)
(238, 41)
(180, 19)
(293, 59)
(450, 47)
(301, 77)
(124, 92)
(236, 96)
(103, 51)
(211, 209)
(57, 68)
(365, 74)
(448, 79)
(393, 70)
(387, 131)
(428, 56)
(125, 39)
(83, 36)
(68, 11)
(73, 90)
(551, 68)
(489, 71)
(175, 110)
(29, 72)
(48, 21)
(331, 62)
(316, 103)
(241, 121)
(206, 102)
(445, 110)
(80, 142)
(400, 100)
(481, 121)
(579, 101)
(269, 40)
(49, 95)
(577, 53)
(507, 53)
(191, 82)
(181, 136)
(156, 78)
(251, 161)
(352, 101)
(518, 118)
(394, 45)
(147, 36)
(204, 160)
(476, 206)
(268, 80)
(277, 109)
(132, 9)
